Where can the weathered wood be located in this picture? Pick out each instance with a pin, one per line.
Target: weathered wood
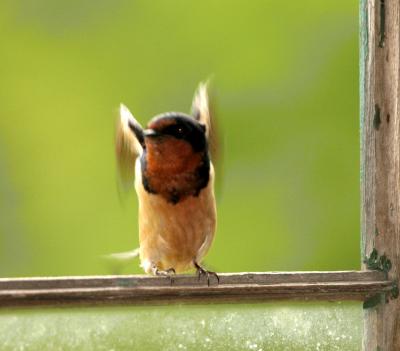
(188, 280)
(346, 285)
(380, 159)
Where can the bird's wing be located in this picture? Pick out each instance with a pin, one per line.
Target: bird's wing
(129, 145)
(203, 111)
(201, 107)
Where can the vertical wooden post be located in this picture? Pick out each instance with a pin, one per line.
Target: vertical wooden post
(380, 161)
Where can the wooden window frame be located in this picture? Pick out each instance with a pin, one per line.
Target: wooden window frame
(376, 284)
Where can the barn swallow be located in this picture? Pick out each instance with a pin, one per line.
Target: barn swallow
(174, 182)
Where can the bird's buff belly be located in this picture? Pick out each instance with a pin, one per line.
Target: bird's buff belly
(175, 235)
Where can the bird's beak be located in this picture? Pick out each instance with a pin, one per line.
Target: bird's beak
(150, 133)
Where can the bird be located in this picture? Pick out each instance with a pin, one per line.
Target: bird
(170, 165)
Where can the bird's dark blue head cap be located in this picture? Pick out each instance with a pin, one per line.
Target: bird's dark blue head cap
(180, 126)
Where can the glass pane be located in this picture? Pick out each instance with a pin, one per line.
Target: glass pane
(286, 77)
(272, 327)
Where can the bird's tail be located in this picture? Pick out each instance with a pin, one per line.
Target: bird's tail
(122, 256)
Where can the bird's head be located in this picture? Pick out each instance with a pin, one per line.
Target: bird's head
(173, 149)
(173, 131)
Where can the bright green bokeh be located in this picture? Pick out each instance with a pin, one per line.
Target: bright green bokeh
(285, 75)
(264, 327)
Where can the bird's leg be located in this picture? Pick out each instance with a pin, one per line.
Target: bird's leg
(201, 271)
(169, 273)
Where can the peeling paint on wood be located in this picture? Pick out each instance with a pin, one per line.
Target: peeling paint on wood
(377, 117)
(380, 161)
(382, 24)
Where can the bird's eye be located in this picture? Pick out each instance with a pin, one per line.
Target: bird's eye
(176, 131)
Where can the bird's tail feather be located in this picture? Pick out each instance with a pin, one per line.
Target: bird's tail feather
(122, 256)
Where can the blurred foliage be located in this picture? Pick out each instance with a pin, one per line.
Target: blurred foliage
(286, 80)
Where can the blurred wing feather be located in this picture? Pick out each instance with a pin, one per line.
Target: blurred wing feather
(203, 111)
(201, 107)
(128, 145)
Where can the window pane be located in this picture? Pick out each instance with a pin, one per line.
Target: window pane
(286, 76)
(272, 327)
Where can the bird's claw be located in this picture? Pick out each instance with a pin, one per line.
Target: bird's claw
(201, 271)
(169, 273)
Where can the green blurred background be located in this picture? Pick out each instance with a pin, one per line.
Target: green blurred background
(286, 86)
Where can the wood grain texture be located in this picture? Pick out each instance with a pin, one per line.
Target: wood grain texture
(380, 158)
(240, 287)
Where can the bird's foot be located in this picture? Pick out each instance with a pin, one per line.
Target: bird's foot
(169, 273)
(201, 271)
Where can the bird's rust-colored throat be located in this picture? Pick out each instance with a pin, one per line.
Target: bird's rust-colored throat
(173, 168)
(169, 157)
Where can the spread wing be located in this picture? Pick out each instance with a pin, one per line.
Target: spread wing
(203, 111)
(129, 145)
(201, 106)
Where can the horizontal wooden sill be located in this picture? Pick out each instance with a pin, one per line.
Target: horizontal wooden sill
(233, 287)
